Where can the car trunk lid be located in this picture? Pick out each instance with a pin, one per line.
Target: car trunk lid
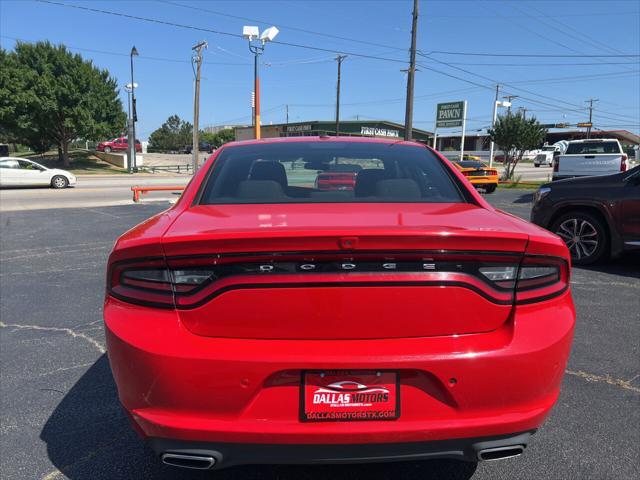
(316, 271)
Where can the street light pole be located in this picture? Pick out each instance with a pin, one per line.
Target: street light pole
(493, 124)
(257, 51)
(339, 58)
(133, 118)
(252, 33)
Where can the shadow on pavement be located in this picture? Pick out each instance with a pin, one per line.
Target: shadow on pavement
(89, 436)
(628, 265)
(525, 198)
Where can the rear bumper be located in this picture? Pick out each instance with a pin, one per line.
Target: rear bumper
(231, 454)
(180, 386)
(483, 180)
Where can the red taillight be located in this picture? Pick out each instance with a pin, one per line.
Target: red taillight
(540, 278)
(151, 282)
(556, 164)
(187, 282)
(623, 163)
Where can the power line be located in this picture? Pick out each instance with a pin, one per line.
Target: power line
(564, 26)
(541, 64)
(529, 55)
(309, 47)
(321, 49)
(577, 77)
(575, 107)
(384, 101)
(217, 32)
(121, 54)
(555, 29)
(288, 27)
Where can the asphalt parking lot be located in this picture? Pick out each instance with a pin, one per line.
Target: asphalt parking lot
(60, 417)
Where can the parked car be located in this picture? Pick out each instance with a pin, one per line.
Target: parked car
(602, 156)
(479, 174)
(262, 320)
(203, 147)
(596, 216)
(16, 172)
(545, 156)
(120, 144)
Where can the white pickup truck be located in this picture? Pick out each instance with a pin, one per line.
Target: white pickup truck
(602, 156)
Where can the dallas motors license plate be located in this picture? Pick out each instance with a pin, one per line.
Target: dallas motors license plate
(334, 396)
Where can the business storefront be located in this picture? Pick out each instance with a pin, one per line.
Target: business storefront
(379, 129)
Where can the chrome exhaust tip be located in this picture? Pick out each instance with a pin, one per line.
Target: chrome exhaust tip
(500, 453)
(196, 462)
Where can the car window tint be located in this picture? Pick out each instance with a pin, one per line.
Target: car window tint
(24, 165)
(334, 172)
(590, 148)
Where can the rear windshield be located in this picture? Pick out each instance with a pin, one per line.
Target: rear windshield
(585, 148)
(329, 171)
(471, 164)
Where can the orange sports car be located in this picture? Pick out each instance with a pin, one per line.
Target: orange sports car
(479, 174)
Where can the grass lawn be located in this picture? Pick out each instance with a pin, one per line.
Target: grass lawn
(531, 185)
(82, 162)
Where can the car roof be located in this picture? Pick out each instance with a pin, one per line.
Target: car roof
(322, 139)
(594, 140)
(16, 158)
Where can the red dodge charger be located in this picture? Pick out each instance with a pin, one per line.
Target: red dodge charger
(265, 320)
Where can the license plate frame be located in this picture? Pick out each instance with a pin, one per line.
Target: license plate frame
(374, 407)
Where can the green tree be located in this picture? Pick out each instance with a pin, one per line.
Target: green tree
(49, 95)
(219, 138)
(514, 134)
(224, 136)
(172, 135)
(207, 137)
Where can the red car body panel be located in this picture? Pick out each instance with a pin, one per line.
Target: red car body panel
(226, 365)
(506, 381)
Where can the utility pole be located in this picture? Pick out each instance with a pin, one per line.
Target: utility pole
(134, 118)
(591, 100)
(464, 128)
(339, 59)
(509, 98)
(286, 107)
(197, 59)
(408, 116)
(493, 124)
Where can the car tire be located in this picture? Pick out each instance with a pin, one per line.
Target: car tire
(59, 181)
(107, 149)
(585, 236)
(490, 188)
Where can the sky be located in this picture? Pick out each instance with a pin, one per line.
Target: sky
(575, 52)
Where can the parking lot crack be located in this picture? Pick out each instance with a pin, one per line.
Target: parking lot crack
(68, 331)
(590, 377)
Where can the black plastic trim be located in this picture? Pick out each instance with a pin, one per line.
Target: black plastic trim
(234, 454)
